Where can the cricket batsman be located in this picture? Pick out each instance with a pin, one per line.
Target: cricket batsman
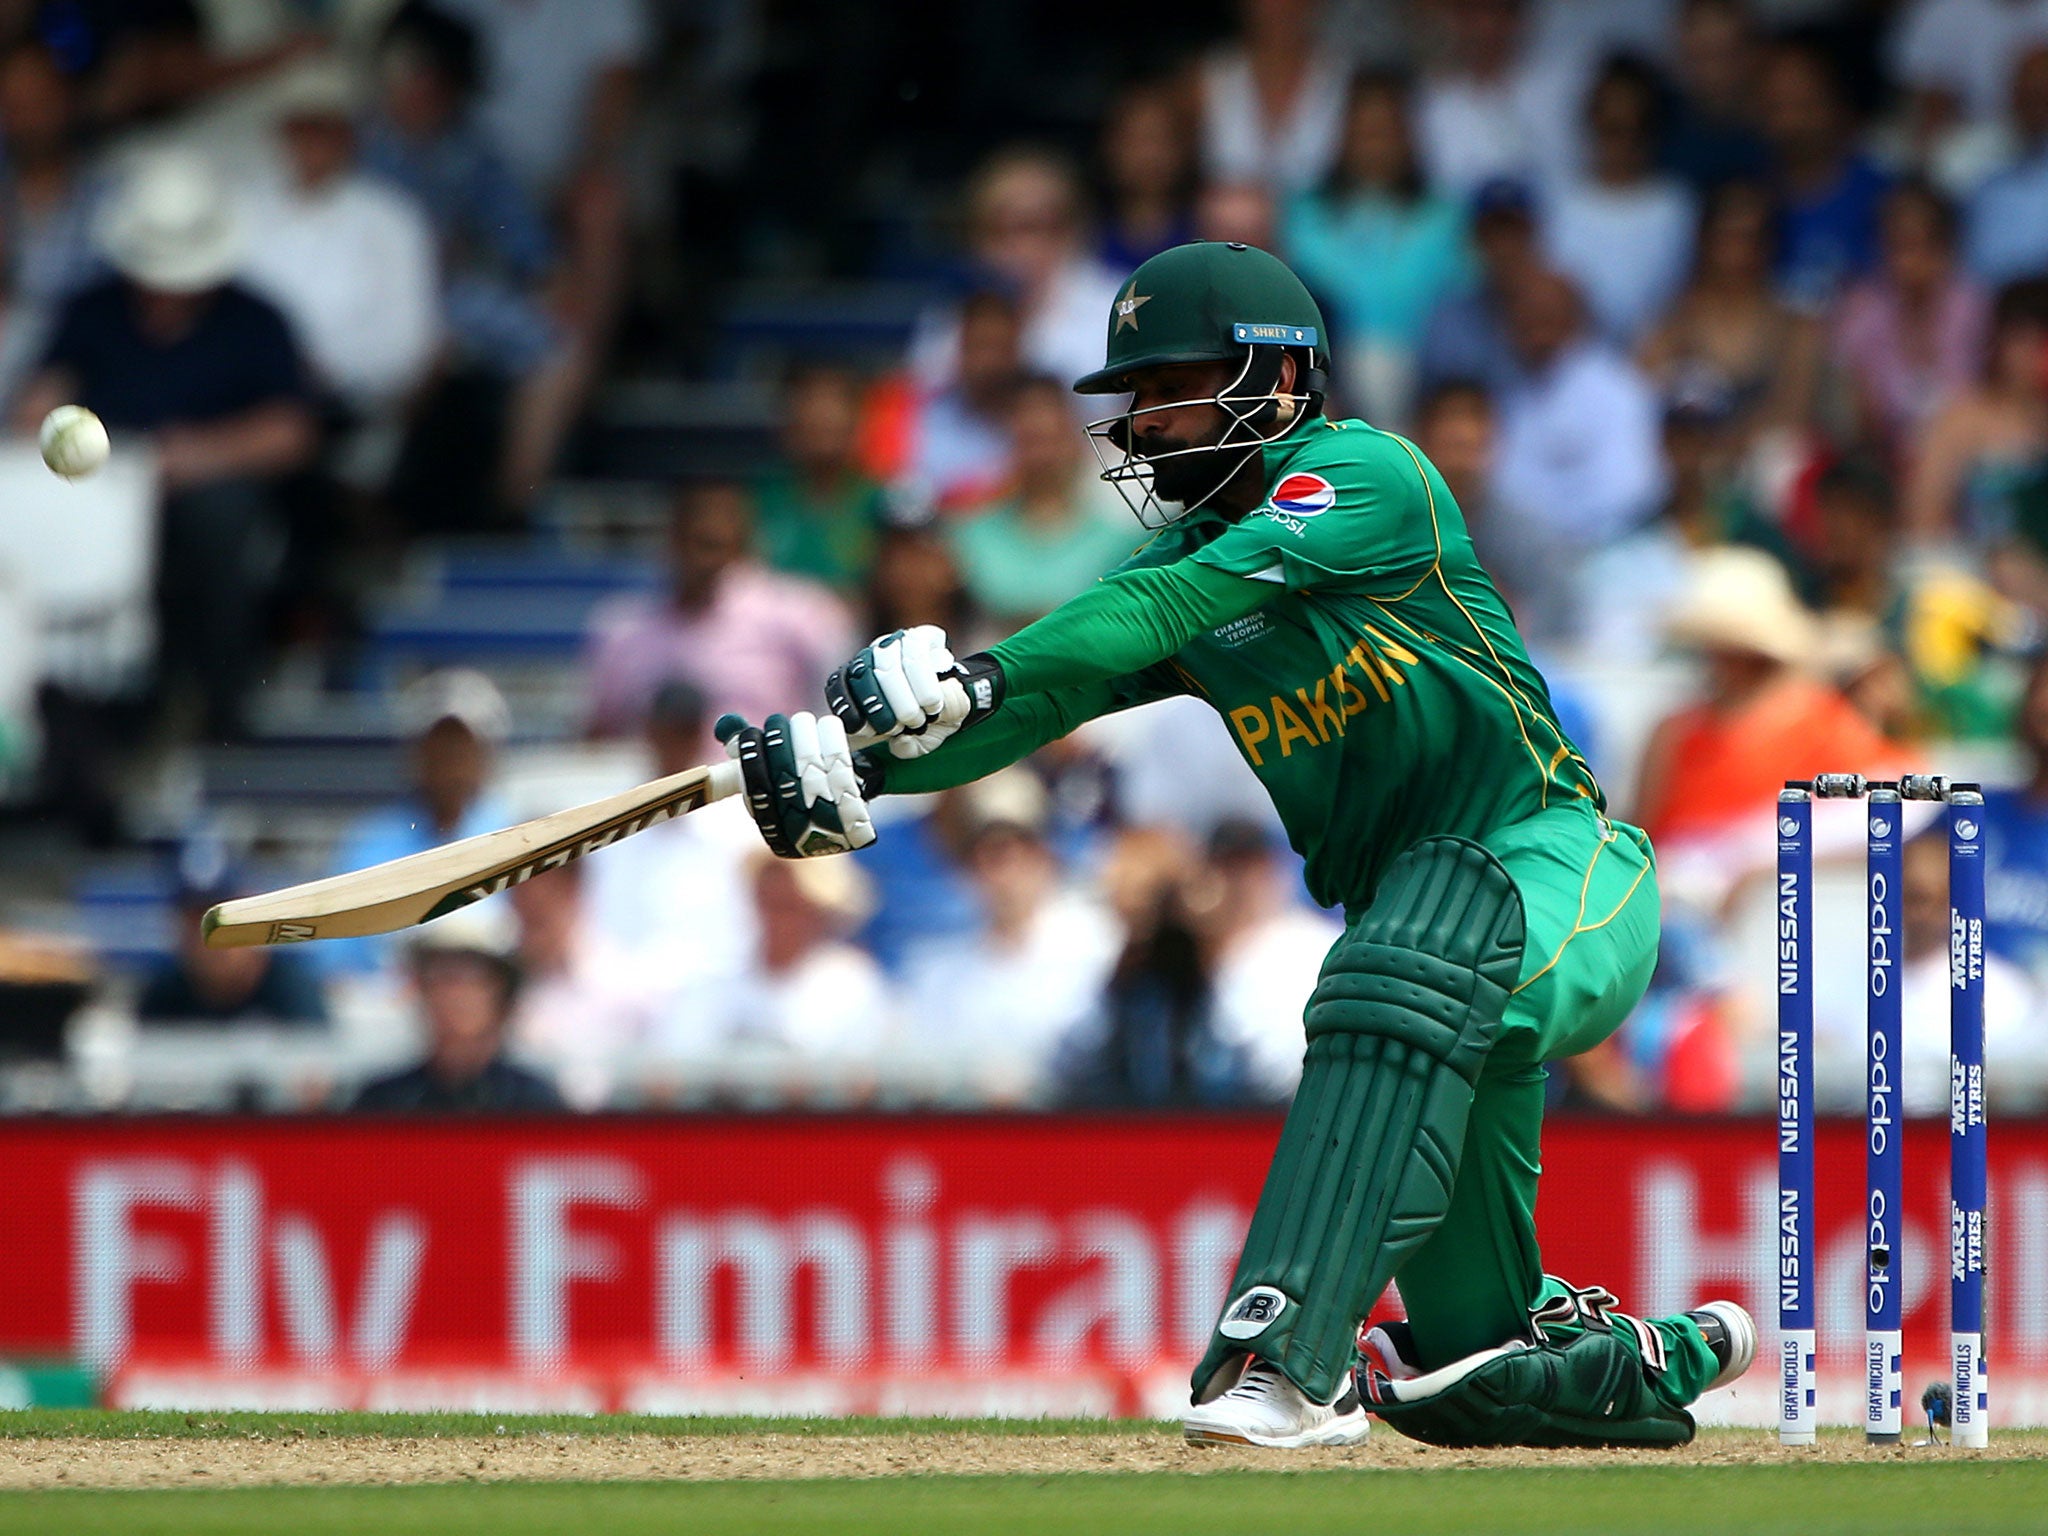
(1314, 582)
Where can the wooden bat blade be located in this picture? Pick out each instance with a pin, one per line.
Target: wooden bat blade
(423, 886)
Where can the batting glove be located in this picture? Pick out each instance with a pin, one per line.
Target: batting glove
(907, 689)
(806, 789)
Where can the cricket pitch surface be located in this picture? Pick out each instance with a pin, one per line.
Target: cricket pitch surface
(84, 1472)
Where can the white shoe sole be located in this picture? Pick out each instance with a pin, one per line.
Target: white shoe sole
(1742, 1341)
(1346, 1429)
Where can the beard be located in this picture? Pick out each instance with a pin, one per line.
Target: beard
(1190, 473)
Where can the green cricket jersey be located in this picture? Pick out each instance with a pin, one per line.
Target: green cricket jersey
(1367, 668)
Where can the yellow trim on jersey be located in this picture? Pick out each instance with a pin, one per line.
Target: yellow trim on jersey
(1517, 700)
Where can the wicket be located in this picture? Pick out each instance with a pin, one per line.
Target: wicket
(1884, 1164)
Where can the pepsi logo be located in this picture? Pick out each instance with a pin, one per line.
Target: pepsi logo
(1304, 496)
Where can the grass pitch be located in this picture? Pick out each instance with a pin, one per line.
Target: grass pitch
(161, 1475)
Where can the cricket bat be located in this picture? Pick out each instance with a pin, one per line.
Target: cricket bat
(423, 886)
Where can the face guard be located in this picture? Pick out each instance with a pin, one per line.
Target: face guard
(1165, 485)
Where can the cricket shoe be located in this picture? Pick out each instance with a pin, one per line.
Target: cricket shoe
(1267, 1409)
(1731, 1335)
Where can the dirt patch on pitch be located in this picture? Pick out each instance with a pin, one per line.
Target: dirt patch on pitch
(314, 1460)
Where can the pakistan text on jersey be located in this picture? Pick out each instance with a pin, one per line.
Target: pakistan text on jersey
(1323, 710)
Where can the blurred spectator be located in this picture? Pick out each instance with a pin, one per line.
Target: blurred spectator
(1955, 57)
(955, 443)
(141, 63)
(47, 200)
(556, 93)
(348, 259)
(1576, 462)
(1454, 429)
(459, 720)
(1494, 108)
(583, 1010)
(1977, 450)
(522, 327)
(1240, 211)
(1911, 643)
(1857, 658)
(1711, 136)
(1148, 177)
(915, 580)
(1946, 624)
(1150, 1040)
(755, 641)
(1731, 322)
(1271, 102)
(1910, 336)
(174, 348)
(1857, 522)
(1026, 235)
(1714, 765)
(1828, 191)
(465, 979)
(558, 82)
(2008, 214)
(672, 900)
(1060, 530)
(1266, 949)
(1959, 154)
(819, 510)
(919, 870)
(1630, 585)
(1378, 248)
(1623, 231)
(23, 751)
(195, 984)
(803, 995)
(1467, 334)
(2016, 842)
(1580, 33)
(995, 1003)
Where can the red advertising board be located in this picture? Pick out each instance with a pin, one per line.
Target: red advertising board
(987, 1264)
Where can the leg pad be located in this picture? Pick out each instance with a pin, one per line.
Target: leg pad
(1399, 1026)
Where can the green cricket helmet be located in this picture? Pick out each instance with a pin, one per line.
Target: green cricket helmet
(1211, 301)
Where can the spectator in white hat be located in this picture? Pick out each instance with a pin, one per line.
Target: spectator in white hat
(349, 259)
(458, 720)
(806, 1016)
(465, 977)
(174, 349)
(988, 1010)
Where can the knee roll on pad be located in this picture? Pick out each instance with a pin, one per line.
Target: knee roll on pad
(1399, 1026)
(1591, 1389)
(1432, 962)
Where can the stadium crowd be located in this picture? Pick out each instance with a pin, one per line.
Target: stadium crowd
(1725, 320)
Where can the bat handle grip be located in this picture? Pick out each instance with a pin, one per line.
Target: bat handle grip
(725, 781)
